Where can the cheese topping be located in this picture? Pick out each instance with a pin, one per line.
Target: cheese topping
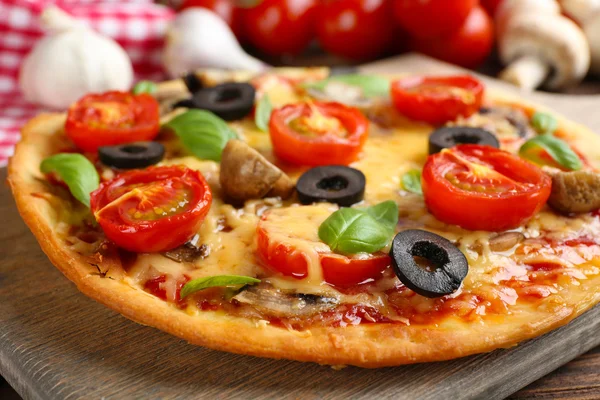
(542, 265)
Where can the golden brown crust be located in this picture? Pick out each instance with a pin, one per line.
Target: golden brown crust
(366, 345)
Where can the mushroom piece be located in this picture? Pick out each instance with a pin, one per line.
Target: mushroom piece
(509, 8)
(543, 49)
(188, 253)
(587, 14)
(506, 241)
(580, 10)
(342, 93)
(574, 192)
(271, 301)
(246, 174)
(503, 121)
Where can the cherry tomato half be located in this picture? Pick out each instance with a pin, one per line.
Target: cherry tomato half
(280, 26)
(437, 100)
(468, 47)
(483, 188)
(226, 9)
(491, 6)
(280, 256)
(357, 29)
(112, 118)
(152, 210)
(432, 18)
(318, 133)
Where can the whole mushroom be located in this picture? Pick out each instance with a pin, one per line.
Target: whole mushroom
(510, 8)
(587, 14)
(539, 45)
(542, 49)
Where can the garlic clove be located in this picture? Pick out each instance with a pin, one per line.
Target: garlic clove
(198, 38)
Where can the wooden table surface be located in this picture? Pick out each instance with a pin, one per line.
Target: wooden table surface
(55, 343)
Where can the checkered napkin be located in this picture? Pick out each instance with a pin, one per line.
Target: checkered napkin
(137, 25)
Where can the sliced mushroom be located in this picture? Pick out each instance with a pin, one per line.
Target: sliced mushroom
(271, 301)
(506, 241)
(506, 120)
(246, 174)
(342, 93)
(574, 192)
(188, 253)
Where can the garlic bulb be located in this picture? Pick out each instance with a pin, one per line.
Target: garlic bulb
(198, 38)
(70, 62)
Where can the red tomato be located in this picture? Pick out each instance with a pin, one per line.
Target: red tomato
(152, 210)
(318, 133)
(112, 118)
(431, 18)
(483, 188)
(357, 29)
(437, 100)
(337, 269)
(491, 6)
(225, 9)
(467, 47)
(156, 286)
(280, 26)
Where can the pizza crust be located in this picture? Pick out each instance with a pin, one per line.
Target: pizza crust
(365, 345)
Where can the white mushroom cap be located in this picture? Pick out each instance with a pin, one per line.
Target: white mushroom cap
(580, 10)
(592, 32)
(510, 8)
(552, 47)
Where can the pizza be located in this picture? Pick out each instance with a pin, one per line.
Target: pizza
(343, 219)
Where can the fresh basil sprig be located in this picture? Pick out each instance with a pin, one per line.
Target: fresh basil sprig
(196, 285)
(263, 113)
(544, 122)
(371, 85)
(411, 181)
(354, 230)
(202, 132)
(558, 149)
(76, 171)
(144, 87)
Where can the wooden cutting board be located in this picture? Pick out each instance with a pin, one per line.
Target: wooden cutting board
(56, 343)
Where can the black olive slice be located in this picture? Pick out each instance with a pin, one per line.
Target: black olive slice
(131, 155)
(332, 183)
(230, 101)
(427, 263)
(451, 136)
(187, 103)
(192, 82)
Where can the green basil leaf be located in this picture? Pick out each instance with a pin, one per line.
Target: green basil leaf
(263, 113)
(202, 133)
(371, 85)
(144, 87)
(544, 122)
(385, 213)
(351, 231)
(558, 149)
(411, 181)
(196, 285)
(76, 171)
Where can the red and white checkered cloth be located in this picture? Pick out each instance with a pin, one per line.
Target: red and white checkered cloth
(137, 25)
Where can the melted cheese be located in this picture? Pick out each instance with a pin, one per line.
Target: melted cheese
(230, 234)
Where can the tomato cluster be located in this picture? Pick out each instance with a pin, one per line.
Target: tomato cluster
(458, 31)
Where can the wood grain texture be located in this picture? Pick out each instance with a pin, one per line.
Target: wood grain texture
(55, 343)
